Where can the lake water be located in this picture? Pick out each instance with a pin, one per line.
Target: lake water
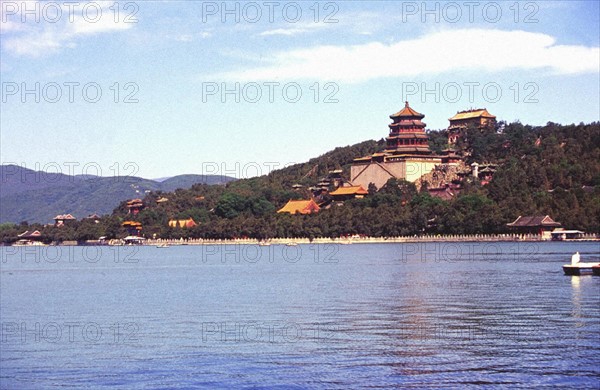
(310, 316)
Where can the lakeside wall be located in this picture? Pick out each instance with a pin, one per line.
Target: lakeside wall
(589, 237)
(371, 240)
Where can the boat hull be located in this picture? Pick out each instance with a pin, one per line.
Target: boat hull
(582, 269)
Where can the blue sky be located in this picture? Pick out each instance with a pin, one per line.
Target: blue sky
(161, 68)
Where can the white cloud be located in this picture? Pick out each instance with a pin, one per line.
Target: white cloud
(296, 29)
(37, 38)
(184, 38)
(35, 44)
(190, 37)
(104, 24)
(282, 31)
(9, 26)
(439, 52)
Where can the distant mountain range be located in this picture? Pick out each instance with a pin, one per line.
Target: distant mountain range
(33, 196)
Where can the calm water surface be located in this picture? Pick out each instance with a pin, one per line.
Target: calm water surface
(321, 316)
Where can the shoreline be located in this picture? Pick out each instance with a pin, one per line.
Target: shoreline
(363, 240)
(475, 238)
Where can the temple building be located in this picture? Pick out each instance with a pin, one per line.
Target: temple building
(479, 118)
(93, 217)
(406, 156)
(63, 219)
(484, 172)
(182, 223)
(300, 207)
(29, 238)
(133, 228)
(347, 193)
(537, 224)
(134, 206)
(335, 178)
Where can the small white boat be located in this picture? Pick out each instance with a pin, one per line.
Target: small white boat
(578, 268)
(291, 244)
(163, 245)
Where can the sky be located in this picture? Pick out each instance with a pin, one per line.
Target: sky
(161, 88)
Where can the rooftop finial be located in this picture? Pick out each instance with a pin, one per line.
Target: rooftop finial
(406, 103)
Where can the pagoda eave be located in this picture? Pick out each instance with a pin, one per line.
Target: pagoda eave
(407, 136)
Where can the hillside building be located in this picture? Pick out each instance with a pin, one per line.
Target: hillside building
(347, 193)
(134, 206)
(406, 156)
(133, 228)
(63, 219)
(182, 223)
(300, 207)
(93, 217)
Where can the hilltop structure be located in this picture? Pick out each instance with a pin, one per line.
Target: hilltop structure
(479, 118)
(407, 155)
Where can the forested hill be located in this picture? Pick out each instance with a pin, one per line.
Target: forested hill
(552, 169)
(307, 173)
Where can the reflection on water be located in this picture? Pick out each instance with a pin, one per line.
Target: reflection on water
(575, 284)
(337, 317)
(579, 286)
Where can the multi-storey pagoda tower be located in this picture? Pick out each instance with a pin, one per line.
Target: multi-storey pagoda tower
(406, 156)
(407, 133)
